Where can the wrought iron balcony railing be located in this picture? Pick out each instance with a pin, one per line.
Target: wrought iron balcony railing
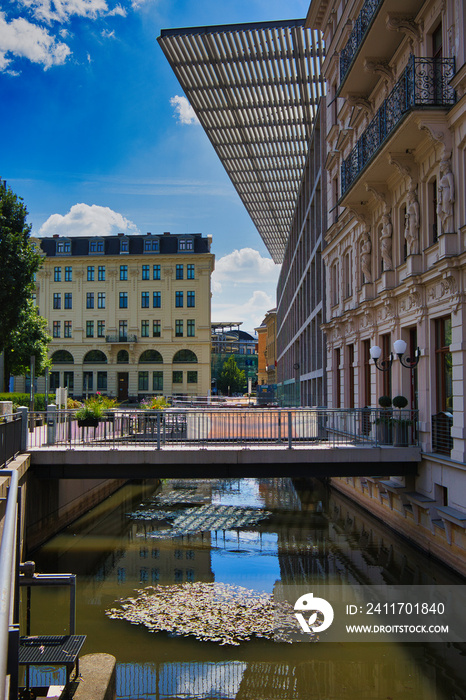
(121, 338)
(423, 83)
(360, 29)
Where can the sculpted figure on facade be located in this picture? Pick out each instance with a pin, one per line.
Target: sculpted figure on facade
(386, 242)
(412, 224)
(446, 196)
(366, 248)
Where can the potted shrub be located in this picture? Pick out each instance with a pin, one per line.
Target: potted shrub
(89, 415)
(384, 421)
(400, 423)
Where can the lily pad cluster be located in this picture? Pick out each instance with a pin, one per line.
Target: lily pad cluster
(210, 612)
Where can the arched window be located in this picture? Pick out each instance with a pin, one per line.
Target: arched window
(62, 357)
(184, 356)
(95, 356)
(150, 356)
(123, 357)
(348, 275)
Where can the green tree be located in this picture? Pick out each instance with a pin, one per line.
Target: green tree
(29, 337)
(19, 262)
(231, 378)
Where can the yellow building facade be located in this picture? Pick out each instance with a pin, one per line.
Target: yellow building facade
(129, 315)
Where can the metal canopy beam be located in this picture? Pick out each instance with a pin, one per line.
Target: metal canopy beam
(255, 89)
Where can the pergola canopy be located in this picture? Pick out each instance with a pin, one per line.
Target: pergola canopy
(255, 89)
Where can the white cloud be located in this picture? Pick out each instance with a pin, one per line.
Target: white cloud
(118, 10)
(87, 220)
(107, 34)
(251, 311)
(242, 267)
(20, 38)
(186, 114)
(61, 10)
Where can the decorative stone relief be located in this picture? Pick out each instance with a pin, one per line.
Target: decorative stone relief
(446, 196)
(366, 262)
(386, 242)
(398, 22)
(412, 223)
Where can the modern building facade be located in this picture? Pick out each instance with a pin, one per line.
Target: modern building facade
(129, 315)
(394, 254)
(228, 340)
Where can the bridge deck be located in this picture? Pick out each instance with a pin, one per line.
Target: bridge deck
(141, 462)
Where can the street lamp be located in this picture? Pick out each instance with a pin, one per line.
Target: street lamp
(382, 365)
(400, 348)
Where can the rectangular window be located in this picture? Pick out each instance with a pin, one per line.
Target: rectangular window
(100, 329)
(177, 377)
(350, 351)
(179, 272)
(90, 273)
(68, 274)
(123, 330)
(190, 272)
(156, 328)
(57, 274)
(88, 382)
(68, 300)
(337, 376)
(144, 329)
(101, 300)
(185, 244)
(143, 381)
(68, 329)
(101, 381)
(123, 273)
(190, 299)
(178, 299)
(190, 328)
(144, 300)
(89, 329)
(366, 345)
(90, 300)
(179, 328)
(100, 246)
(93, 246)
(101, 273)
(124, 246)
(157, 300)
(386, 354)
(192, 377)
(68, 380)
(123, 300)
(157, 381)
(56, 329)
(146, 272)
(54, 380)
(156, 272)
(444, 366)
(57, 300)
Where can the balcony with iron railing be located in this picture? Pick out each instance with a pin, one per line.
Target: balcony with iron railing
(424, 84)
(360, 30)
(121, 338)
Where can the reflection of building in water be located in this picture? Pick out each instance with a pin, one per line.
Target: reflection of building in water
(279, 493)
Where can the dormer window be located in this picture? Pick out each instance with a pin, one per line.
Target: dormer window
(151, 246)
(124, 245)
(96, 246)
(63, 247)
(185, 244)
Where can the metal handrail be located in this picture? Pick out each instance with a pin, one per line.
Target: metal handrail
(7, 576)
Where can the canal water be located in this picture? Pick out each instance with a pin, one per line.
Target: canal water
(175, 533)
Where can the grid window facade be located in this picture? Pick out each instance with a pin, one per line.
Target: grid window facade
(190, 272)
(89, 329)
(123, 273)
(101, 273)
(68, 274)
(101, 381)
(56, 300)
(156, 329)
(57, 274)
(179, 328)
(56, 329)
(178, 299)
(68, 300)
(190, 328)
(90, 300)
(144, 329)
(157, 300)
(144, 300)
(90, 273)
(179, 272)
(68, 329)
(101, 300)
(157, 381)
(191, 377)
(143, 381)
(123, 300)
(191, 299)
(156, 272)
(177, 376)
(100, 329)
(146, 272)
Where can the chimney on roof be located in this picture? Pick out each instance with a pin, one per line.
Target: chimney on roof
(166, 233)
(148, 233)
(121, 234)
(56, 235)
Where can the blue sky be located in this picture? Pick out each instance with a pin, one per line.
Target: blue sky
(98, 137)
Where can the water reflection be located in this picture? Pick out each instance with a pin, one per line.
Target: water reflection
(313, 534)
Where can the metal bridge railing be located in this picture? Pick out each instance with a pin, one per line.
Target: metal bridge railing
(226, 427)
(10, 437)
